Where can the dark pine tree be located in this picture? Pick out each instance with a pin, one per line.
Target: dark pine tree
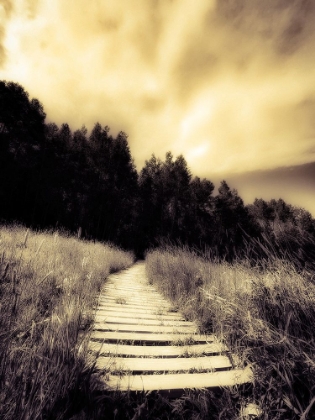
(234, 224)
(22, 144)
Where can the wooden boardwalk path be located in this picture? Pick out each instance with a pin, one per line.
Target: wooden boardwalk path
(142, 345)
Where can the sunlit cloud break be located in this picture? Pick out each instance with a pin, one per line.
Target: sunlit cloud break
(228, 84)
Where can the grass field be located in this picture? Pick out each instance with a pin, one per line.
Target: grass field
(49, 283)
(266, 316)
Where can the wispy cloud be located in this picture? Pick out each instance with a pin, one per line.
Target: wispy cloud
(5, 12)
(230, 84)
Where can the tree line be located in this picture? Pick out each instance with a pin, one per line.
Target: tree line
(85, 182)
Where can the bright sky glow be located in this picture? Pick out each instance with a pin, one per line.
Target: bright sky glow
(228, 84)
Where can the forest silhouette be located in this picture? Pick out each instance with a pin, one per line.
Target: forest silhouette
(87, 184)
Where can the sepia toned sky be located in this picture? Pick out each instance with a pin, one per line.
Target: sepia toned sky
(230, 84)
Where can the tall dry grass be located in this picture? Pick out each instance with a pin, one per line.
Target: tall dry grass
(266, 316)
(49, 284)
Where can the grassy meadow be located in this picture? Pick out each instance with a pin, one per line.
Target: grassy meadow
(49, 283)
(265, 314)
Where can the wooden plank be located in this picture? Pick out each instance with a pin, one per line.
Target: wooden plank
(129, 298)
(140, 295)
(147, 311)
(148, 338)
(156, 351)
(142, 321)
(121, 282)
(141, 290)
(131, 281)
(137, 365)
(130, 303)
(136, 308)
(139, 316)
(106, 326)
(132, 311)
(124, 288)
(179, 382)
(127, 289)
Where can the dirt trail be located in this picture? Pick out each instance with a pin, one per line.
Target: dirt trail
(142, 345)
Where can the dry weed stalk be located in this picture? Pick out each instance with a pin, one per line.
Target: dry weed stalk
(264, 313)
(48, 286)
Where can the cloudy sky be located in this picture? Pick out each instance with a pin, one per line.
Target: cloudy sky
(230, 84)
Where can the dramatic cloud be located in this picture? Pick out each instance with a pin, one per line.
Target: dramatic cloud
(5, 12)
(228, 83)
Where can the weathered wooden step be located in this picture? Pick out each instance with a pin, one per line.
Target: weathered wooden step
(106, 326)
(130, 303)
(132, 311)
(136, 295)
(140, 295)
(137, 300)
(128, 289)
(179, 382)
(157, 351)
(137, 365)
(115, 337)
(123, 314)
(125, 289)
(143, 321)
